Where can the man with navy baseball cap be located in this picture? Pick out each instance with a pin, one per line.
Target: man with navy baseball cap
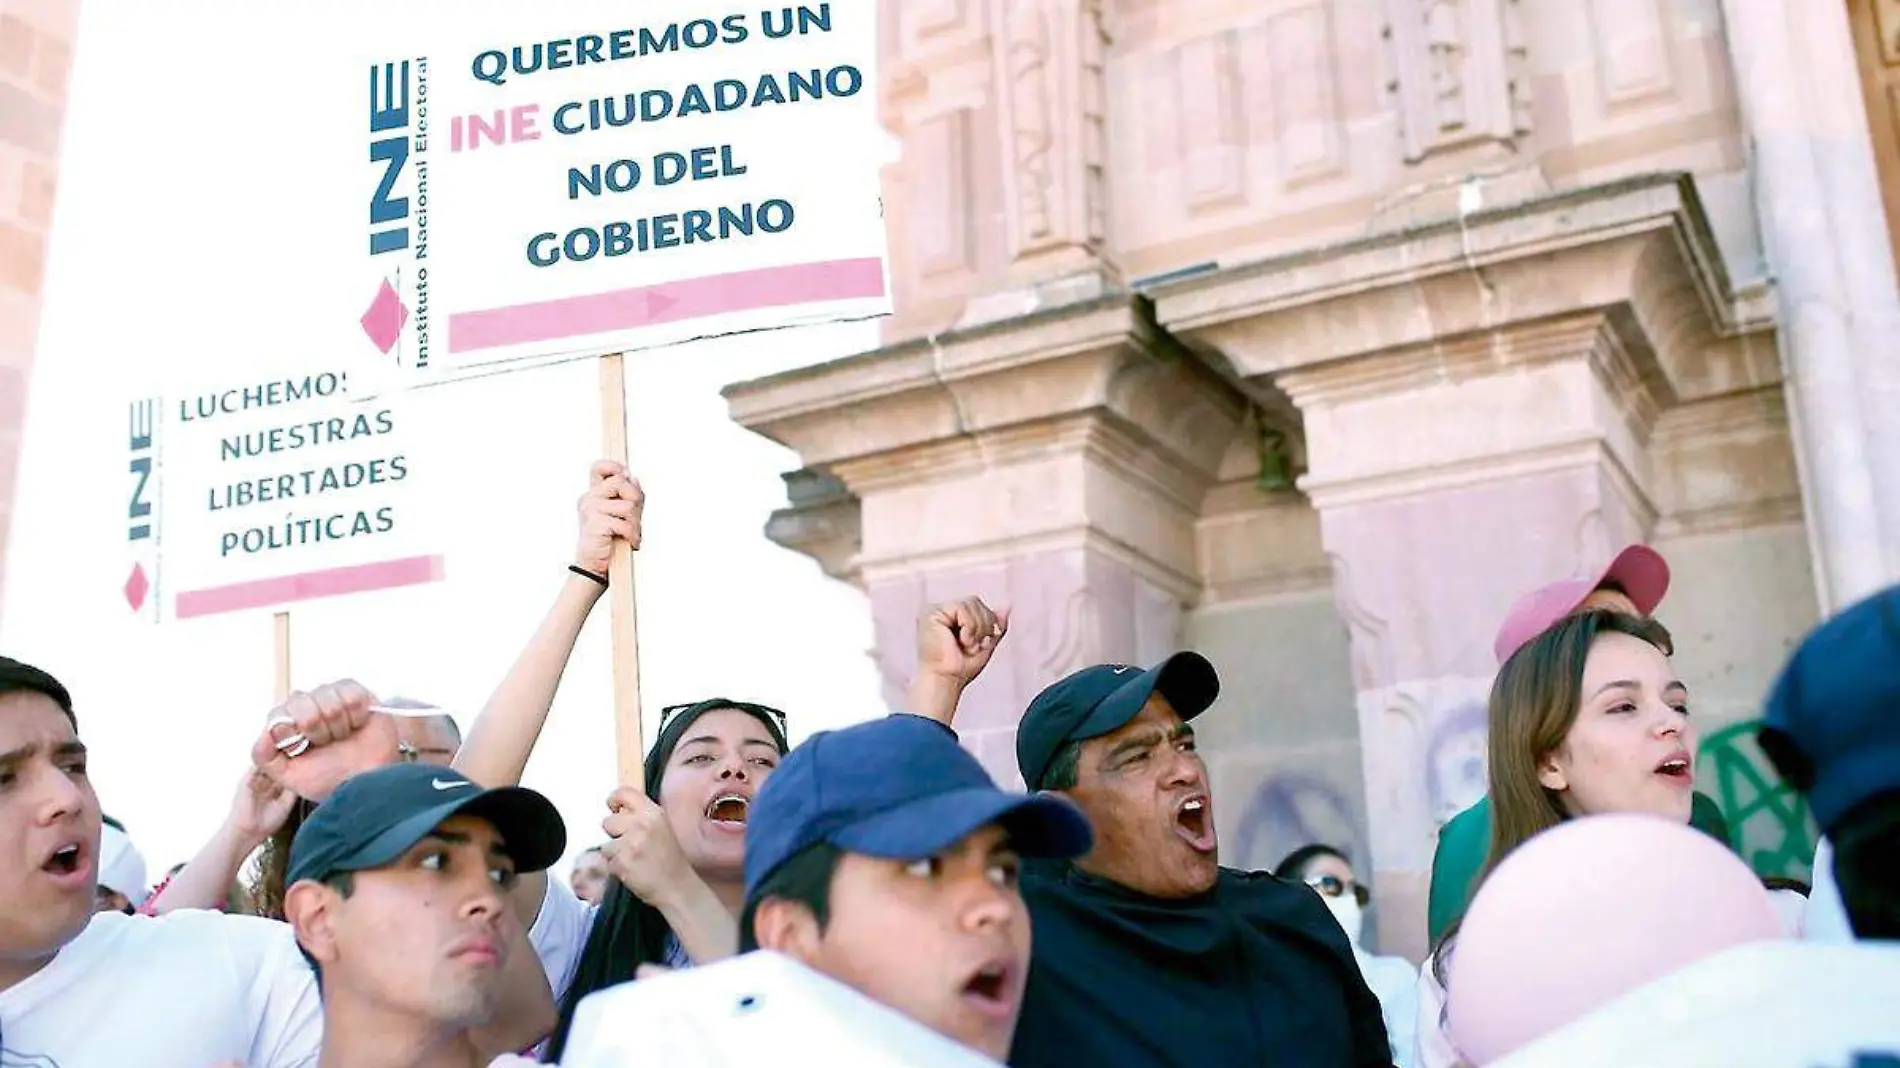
(885, 857)
(1228, 967)
(397, 892)
(1832, 728)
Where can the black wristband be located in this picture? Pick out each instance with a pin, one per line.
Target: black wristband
(586, 574)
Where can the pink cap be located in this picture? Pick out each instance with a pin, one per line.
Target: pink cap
(1638, 569)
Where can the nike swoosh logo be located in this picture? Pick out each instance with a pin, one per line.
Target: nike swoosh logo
(440, 785)
(1123, 670)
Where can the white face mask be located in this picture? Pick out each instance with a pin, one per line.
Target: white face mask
(1345, 908)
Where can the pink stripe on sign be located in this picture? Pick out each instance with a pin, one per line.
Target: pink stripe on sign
(670, 302)
(285, 589)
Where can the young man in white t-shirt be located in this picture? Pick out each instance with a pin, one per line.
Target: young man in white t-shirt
(82, 991)
(399, 897)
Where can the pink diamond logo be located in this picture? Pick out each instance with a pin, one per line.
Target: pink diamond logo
(137, 587)
(384, 320)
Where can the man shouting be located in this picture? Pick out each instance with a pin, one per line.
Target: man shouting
(1148, 952)
(82, 991)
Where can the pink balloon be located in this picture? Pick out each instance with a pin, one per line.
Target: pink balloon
(1583, 914)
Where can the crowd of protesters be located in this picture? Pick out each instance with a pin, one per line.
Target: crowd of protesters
(379, 893)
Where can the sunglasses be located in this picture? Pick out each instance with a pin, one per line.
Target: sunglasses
(1334, 886)
(671, 713)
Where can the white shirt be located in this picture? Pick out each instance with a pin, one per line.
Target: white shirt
(190, 989)
(559, 934)
(1395, 983)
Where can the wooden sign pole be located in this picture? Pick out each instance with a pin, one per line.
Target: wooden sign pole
(280, 677)
(626, 625)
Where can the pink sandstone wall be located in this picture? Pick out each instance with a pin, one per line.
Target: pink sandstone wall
(36, 55)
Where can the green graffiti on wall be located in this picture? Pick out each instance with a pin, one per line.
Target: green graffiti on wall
(1768, 819)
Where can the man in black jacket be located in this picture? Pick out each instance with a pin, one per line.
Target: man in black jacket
(1147, 951)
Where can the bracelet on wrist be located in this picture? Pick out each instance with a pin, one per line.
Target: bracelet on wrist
(586, 574)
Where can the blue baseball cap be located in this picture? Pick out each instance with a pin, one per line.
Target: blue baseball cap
(1102, 699)
(897, 788)
(377, 816)
(1832, 727)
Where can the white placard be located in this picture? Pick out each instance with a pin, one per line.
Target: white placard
(1768, 1005)
(279, 488)
(539, 179)
(723, 1015)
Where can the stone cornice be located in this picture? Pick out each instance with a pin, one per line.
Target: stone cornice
(928, 408)
(1473, 355)
(1179, 584)
(823, 521)
(1640, 250)
(1580, 452)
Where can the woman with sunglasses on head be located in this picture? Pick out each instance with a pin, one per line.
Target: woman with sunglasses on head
(676, 850)
(1392, 979)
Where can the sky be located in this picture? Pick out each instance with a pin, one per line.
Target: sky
(186, 198)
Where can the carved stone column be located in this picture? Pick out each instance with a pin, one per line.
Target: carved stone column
(1056, 466)
(1818, 197)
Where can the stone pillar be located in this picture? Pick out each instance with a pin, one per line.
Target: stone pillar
(1818, 197)
(1477, 399)
(36, 50)
(1056, 466)
(1449, 481)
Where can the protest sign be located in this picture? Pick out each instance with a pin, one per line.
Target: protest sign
(539, 184)
(725, 1013)
(265, 492)
(1768, 1005)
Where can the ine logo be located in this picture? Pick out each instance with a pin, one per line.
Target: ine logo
(389, 146)
(139, 512)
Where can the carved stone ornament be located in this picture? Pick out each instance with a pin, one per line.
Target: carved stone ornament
(1031, 134)
(1052, 104)
(1459, 73)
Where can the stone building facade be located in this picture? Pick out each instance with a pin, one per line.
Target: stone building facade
(36, 55)
(1310, 333)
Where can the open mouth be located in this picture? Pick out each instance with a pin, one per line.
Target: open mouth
(67, 864)
(1677, 768)
(1194, 820)
(729, 810)
(989, 990)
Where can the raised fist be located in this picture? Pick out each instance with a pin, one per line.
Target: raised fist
(955, 641)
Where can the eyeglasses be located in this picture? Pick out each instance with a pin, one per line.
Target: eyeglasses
(691, 709)
(1334, 886)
